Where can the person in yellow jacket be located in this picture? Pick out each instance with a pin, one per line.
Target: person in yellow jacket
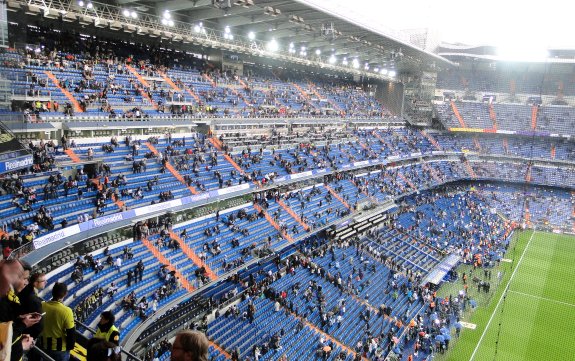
(106, 329)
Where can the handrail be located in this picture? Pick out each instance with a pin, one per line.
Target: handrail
(93, 331)
(44, 355)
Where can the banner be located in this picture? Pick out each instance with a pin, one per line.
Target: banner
(16, 163)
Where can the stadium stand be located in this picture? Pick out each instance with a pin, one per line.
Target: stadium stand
(286, 213)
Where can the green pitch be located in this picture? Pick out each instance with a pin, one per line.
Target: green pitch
(535, 320)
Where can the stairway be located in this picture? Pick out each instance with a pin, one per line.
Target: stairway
(337, 196)
(68, 95)
(534, 110)
(457, 115)
(293, 215)
(163, 260)
(258, 208)
(193, 256)
(172, 170)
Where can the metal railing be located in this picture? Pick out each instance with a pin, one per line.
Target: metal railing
(130, 355)
(44, 355)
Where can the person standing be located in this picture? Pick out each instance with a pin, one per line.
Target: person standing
(12, 281)
(119, 263)
(106, 329)
(190, 346)
(30, 302)
(59, 334)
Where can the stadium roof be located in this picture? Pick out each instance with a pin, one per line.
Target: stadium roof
(297, 22)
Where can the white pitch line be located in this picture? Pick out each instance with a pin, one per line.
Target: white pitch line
(501, 298)
(544, 298)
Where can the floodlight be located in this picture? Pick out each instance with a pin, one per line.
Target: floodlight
(273, 45)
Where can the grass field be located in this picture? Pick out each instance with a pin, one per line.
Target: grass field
(535, 318)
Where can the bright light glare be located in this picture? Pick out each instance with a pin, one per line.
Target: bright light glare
(332, 59)
(197, 28)
(392, 73)
(251, 35)
(80, 3)
(126, 12)
(355, 63)
(134, 15)
(517, 52)
(317, 52)
(383, 71)
(90, 5)
(273, 45)
(167, 14)
(227, 30)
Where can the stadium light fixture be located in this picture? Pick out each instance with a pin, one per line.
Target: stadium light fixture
(89, 5)
(126, 13)
(332, 59)
(273, 45)
(355, 63)
(167, 14)
(81, 3)
(376, 70)
(344, 61)
(383, 71)
(227, 30)
(251, 35)
(134, 15)
(317, 52)
(392, 73)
